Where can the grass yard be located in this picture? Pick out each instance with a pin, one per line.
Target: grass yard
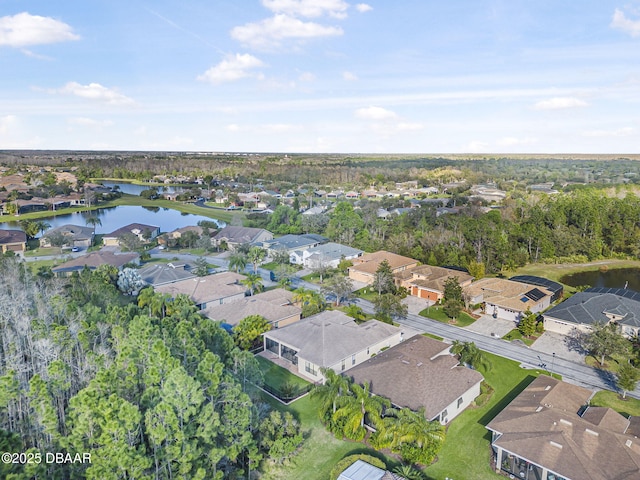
(275, 376)
(516, 335)
(320, 451)
(466, 453)
(611, 363)
(436, 313)
(606, 398)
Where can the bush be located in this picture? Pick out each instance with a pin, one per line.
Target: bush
(346, 462)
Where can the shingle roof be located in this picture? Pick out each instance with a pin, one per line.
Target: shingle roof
(95, 259)
(505, 293)
(332, 251)
(272, 306)
(288, 242)
(328, 337)
(12, 236)
(592, 306)
(542, 425)
(161, 274)
(76, 232)
(430, 277)
(238, 234)
(417, 373)
(206, 289)
(369, 262)
(130, 228)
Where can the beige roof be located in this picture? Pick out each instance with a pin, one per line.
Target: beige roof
(208, 288)
(433, 278)
(369, 262)
(95, 259)
(330, 336)
(417, 373)
(274, 305)
(505, 293)
(542, 425)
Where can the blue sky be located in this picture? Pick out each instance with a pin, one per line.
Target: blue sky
(463, 76)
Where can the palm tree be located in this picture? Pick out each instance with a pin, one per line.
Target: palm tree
(413, 427)
(333, 388)
(94, 221)
(237, 261)
(354, 409)
(255, 256)
(42, 226)
(253, 282)
(470, 354)
(408, 472)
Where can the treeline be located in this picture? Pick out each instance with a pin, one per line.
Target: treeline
(151, 390)
(577, 227)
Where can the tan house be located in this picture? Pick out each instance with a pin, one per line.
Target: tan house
(364, 267)
(427, 282)
(275, 305)
(93, 260)
(73, 235)
(216, 289)
(507, 299)
(421, 373)
(236, 236)
(140, 230)
(330, 339)
(549, 432)
(13, 241)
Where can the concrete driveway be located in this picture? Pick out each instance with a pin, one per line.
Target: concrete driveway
(563, 346)
(491, 327)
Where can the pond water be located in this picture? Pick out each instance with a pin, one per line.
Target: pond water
(116, 217)
(132, 189)
(614, 278)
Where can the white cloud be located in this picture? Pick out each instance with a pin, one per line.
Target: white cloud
(6, 123)
(477, 147)
(307, 77)
(560, 103)
(513, 141)
(95, 91)
(621, 132)
(409, 127)
(270, 32)
(233, 127)
(375, 113)
(89, 122)
(363, 7)
(233, 68)
(279, 128)
(349, 76)
(624, 24)
(308, 8)
(24, 29)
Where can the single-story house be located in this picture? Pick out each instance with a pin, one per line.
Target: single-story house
(361, 470)
(596, 305)
(13, 241)
(549, 432)
(161, 274)
(275, 305)
(74, 236)
(93, 260)
(330, 339)
(217, 289)
(554, 287)
(421, 373)
(291, 243)
(427, 282)
(364, 267)
(236, 236)
(507, 299)
(326, 255)
(140, 230)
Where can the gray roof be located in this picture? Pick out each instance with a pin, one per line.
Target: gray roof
(592, 305)
(161, 274)
(130, 228)
(360, 470)
(290, 242)
(239, 234)
(94, 259)
(332, 251)
(417, 373)
(272, 305)
(76, 232)
(328, 337)
(12, 236)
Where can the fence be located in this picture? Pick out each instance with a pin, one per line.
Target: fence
(287, 395)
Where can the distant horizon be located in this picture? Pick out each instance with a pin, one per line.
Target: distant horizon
(290, 76)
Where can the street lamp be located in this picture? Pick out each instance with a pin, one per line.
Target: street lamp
(553, 359)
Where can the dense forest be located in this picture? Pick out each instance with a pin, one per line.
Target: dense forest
(150, 390)
(575, 227)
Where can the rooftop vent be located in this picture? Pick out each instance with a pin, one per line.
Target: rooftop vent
(555, 444)
(628, 443)
(591, 432)
(566, 422)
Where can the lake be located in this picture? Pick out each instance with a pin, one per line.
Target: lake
(116, 217)
(614, 278)
(133, 189)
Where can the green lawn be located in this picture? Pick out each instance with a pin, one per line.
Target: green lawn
(516, 335)
(276, 376)
(436, 313)
(606, 398)
(466, 453)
